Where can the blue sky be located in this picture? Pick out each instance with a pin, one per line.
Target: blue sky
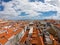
(49, 13)
(1, 6)
(26, 12)
(6, 0)
(34, 0)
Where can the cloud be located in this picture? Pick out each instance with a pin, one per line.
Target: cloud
(14, 8)
(54, 17)
(56, 4)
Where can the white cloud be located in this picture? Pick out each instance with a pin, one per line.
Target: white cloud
(15, 7)
(56, 4)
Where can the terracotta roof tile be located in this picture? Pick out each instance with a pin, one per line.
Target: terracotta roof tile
(3, 40)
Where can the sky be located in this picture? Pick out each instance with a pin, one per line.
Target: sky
(29, 9)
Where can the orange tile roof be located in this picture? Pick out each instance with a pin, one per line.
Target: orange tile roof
(9, 35)
(3, 34)
(24, 37)
(3, 41)
(18, 31)
(58, 25)
(10, 32)
(34, 41)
